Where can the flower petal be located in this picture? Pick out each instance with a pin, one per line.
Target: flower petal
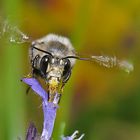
(31, 132)
(35, 85)
(49, 110)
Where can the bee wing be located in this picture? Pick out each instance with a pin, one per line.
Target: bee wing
(13, 33)
(109, 62)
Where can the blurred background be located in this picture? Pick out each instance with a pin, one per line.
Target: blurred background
(102, 103)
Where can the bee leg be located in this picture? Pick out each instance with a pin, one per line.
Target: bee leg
(34, 61)
(30, 75)
(27, 90)
(33, 72)
(54, 98)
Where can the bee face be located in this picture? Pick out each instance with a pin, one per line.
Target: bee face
(49, 58)
(54, 67)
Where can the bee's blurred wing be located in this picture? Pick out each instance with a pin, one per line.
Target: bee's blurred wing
(110, 62)
(12, 33)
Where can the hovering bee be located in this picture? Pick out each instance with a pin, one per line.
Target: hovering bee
(53, 57)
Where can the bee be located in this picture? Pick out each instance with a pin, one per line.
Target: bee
(53, 57)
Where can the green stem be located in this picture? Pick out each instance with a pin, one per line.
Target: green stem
(13, 97)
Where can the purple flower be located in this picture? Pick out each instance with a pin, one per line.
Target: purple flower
(31, 133)
(49, 110)
(34, 84)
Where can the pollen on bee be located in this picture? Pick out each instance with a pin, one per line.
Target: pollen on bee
(54, 87)
(53, 82)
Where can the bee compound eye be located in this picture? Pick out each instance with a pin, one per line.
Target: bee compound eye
(44, 63)
(67, 70)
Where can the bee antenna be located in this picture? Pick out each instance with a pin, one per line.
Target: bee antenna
(84, 59)
(77, 57)
(42, 51)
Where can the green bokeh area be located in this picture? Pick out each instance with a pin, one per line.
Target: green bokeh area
(102, 103)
